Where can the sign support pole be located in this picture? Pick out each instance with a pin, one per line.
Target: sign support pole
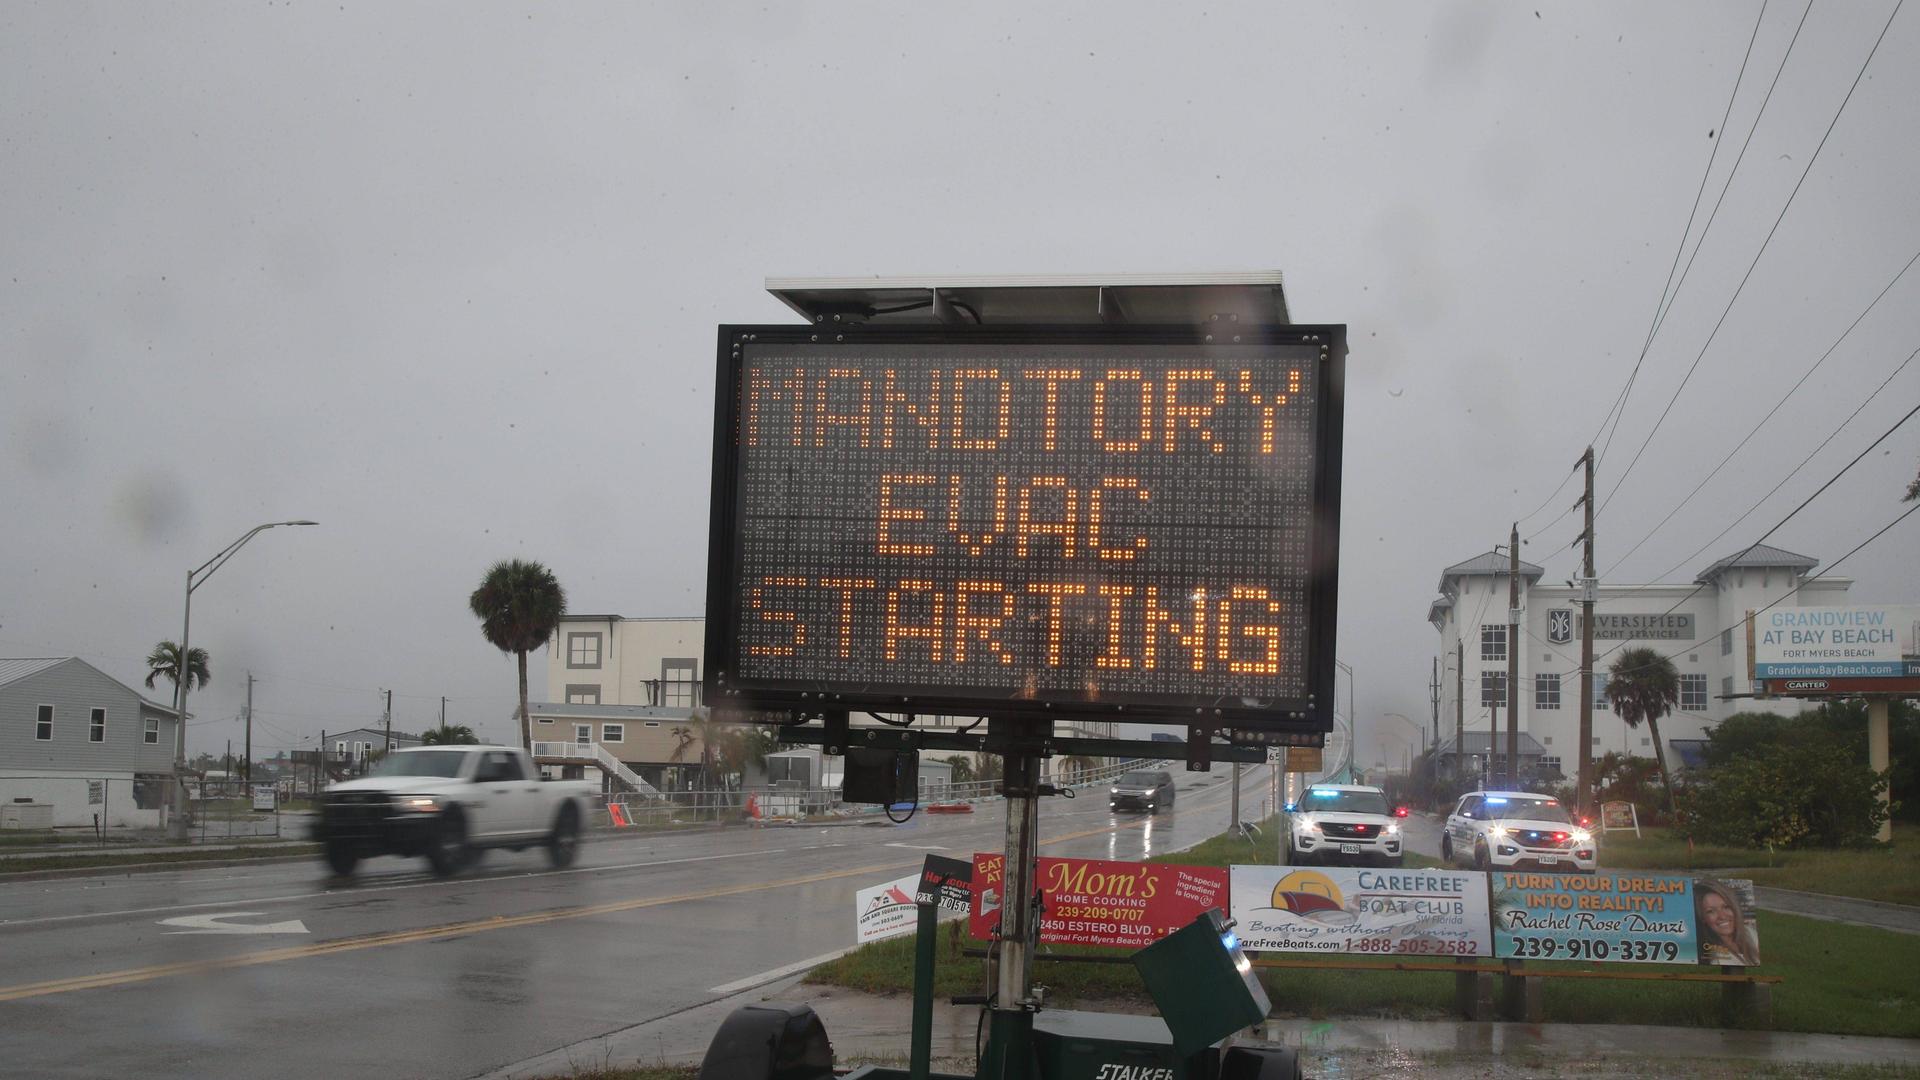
(926, 934)
(1879, 756)
(1010, 1041)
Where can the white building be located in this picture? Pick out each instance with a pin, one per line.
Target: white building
(1701, 624)
(642, 674)
(77, 745)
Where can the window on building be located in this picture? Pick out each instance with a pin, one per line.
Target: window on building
(1493, 689)
(1693, 693)
(1726, 642)
(1596, 740)
(1726, 686)
(583, 693)
(1546, 691)
(1493, 643)
(153, 731)
(1600, 692)
(43, 724)
(1546, 740)
(582, 734)
(679, 682)
(1644, 741)
(613, 732)
(583, 650)
(97, 726)
(653, 723)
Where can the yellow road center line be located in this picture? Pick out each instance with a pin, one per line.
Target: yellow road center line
(131, 976)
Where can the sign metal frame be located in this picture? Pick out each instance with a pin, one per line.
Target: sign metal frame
(776, 701)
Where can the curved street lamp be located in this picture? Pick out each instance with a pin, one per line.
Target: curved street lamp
(177, 826)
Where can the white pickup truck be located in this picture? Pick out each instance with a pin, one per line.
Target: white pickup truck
(448, 803)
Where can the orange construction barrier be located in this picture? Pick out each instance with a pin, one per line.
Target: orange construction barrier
(618, 813)
(753, 807)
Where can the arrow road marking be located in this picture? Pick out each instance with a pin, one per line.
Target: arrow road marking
(217, 924)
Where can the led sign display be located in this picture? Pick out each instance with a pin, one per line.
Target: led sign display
(1130, 528)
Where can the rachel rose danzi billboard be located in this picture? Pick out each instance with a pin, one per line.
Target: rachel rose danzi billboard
(1046, 522)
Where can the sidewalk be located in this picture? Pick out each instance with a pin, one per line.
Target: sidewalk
(864, 1027)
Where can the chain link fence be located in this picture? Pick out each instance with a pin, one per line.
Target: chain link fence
(792, 802)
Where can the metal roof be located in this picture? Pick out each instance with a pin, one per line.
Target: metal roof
(1254, 298)
(1434, 609)
(13, 669)
(1759, 555)
(1492, 563)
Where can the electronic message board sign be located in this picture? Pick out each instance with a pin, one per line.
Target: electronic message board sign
(1138, 524)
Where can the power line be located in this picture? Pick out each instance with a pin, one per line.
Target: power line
(1669, 291)
(1770, 414)
(1838, 428)
(1714, 214)
(1695, 591)
(1834, 565)
(1764, 244)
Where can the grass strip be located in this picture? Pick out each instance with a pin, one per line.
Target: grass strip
(26, 864)
(1889, 873)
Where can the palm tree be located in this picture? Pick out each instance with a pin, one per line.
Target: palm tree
(1643, 685)
(519, 605)
(164, 662)
(449, 735)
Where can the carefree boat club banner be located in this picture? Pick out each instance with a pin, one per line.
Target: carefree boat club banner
(1346, 910)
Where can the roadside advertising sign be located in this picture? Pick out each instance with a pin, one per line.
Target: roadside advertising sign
(885, 911)
(1359, 910)
(1609, 916)
(1862, 642)
(945, 883)
(1619, 815)
(1090, 902)
(1120, 522)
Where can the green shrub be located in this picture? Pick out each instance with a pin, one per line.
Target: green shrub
(1787, 793)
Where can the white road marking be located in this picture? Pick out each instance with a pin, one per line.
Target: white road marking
(217, 923)
(919, 847)
(383, 888)
(765, 977)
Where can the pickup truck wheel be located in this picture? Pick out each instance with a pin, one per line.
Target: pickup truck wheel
(449, 852)
(563, 846)
(341, 858)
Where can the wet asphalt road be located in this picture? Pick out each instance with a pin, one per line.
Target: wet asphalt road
(401, 975)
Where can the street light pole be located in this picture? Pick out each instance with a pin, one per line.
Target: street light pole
(177, 824)
(1353, 714)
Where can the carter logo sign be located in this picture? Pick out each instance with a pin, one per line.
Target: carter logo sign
(1560, 625)
(1133, 1072)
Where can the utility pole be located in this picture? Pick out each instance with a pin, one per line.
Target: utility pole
(1459, 703)
(443, 710)
(320, 762)
(389, 720)
(1583, 790)
(1433, 689)
(1513, 658)
(1493, 740)
(1233, 829)
(246, 770)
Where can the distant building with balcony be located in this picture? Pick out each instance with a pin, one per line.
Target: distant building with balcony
(1701, 624)
(634, 678)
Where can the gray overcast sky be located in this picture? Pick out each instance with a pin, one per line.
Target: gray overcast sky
(445, 277)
